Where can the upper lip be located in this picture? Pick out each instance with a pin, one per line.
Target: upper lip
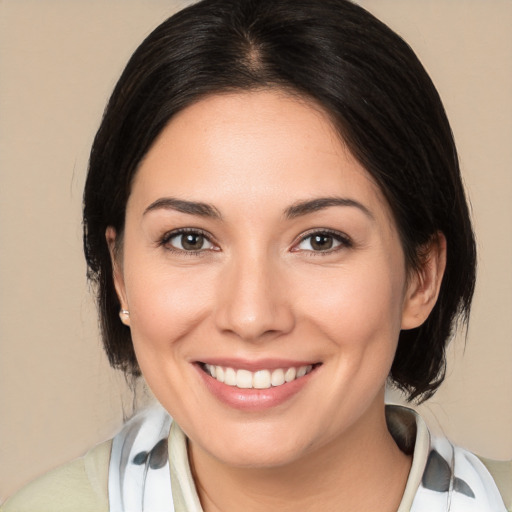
(255, 365)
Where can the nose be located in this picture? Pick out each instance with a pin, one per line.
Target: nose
(253, 300)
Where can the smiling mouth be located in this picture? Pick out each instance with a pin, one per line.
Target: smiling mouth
(260, 379)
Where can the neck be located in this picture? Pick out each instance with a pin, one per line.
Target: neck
(361, 470)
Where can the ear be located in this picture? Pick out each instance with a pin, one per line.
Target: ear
(424, 283)
(117, 274)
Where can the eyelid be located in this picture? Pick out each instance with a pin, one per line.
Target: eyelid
(344, 240)
(167, 236)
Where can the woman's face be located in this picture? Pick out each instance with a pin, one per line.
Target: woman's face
(256, 248)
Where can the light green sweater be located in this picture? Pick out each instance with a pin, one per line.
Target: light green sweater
(82, 485)
(79, 486)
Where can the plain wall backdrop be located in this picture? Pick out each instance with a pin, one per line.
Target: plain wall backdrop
(59, 61)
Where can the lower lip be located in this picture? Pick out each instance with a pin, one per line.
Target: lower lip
(253, 399)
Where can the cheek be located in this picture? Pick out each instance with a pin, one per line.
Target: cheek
(165, 305)
(356, 305)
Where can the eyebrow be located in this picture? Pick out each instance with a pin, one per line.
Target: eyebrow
(183, 206)
(296, 210)
(310, 206)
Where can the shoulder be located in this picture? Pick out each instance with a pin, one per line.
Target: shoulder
(446, 476)
(467, 483)
(80, 485)
(501, 471)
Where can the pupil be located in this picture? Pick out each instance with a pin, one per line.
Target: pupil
(321, 242)
(192, 242)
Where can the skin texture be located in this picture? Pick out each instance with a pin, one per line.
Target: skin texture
(259, 290)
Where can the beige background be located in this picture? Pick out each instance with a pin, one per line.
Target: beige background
(58, 62)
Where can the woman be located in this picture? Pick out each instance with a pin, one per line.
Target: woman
(275, 222)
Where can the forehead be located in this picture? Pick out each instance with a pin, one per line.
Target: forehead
(261, 145)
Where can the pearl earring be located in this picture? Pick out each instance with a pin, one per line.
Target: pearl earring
(124, 316)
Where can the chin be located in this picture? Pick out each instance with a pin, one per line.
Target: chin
(260, 448)
(258, 459)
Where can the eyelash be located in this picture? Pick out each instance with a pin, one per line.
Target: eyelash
(343, 240)
(167, 237)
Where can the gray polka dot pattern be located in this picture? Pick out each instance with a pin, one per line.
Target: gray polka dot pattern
(453, 479)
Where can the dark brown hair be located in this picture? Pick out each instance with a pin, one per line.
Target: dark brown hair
(364, 76)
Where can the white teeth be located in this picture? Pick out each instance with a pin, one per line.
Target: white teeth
(243, 379)
(303, 370)
(261, 379)
(230, 377)
(277, 377)
(290, 374)
(211, 369)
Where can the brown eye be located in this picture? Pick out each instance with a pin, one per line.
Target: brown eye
(192, 242)
(323, 241)
(189, 242)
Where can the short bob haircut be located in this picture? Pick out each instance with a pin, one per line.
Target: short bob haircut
(379, 98)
